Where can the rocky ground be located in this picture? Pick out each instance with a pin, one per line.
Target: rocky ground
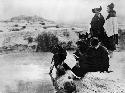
(28, 73)
(96, 82)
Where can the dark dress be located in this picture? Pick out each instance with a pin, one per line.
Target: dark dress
(97, 25)
(98, 58)
(97, 29)
(94, 60)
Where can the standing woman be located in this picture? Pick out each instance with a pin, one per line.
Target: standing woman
(111, 28)
(97, 23)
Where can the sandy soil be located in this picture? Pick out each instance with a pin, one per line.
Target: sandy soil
(96, 82)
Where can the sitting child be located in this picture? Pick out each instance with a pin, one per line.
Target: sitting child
(58, 57)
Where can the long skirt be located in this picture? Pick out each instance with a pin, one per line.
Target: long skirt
(116, 38)
(83, 68)
(111, 43)
(87, 66)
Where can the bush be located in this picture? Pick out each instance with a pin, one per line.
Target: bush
(16, 25)
(73, 28)
(66, 33)
(44, 27)
(46, 41)
(16, 29)
(23, 27)
(57, 26)
(30, 39)
(42, 23)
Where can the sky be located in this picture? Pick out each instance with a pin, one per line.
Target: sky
(62, 11)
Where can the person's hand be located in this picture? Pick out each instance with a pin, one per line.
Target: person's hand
(77, 65)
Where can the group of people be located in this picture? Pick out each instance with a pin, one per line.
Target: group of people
(92, 52)
(91, 57)
(105, 30)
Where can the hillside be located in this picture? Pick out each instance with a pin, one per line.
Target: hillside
(15, 31)
(14, 37)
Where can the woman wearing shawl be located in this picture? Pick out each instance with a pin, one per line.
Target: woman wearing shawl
(111, 28)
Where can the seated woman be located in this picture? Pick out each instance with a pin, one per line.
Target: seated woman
(97, 56)
(82, 47)
(94, 59)
(59, 55)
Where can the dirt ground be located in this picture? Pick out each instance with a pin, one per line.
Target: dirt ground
(28, 73)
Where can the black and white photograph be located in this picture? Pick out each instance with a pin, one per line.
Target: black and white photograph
(62, 46)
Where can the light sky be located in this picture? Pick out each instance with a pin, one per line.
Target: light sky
(63, 11)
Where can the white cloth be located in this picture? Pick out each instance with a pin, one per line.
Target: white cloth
(70, 60)
(111, 26)
(89, 26)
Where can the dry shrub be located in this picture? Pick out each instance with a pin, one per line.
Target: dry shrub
(46, 41)
(66, 33)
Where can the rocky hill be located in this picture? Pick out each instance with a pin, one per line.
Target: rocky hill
(29, 19)
(16, 30)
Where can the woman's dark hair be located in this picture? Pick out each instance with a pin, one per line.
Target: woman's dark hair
(94, 41)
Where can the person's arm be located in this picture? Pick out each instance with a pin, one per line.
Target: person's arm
(102, 20)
